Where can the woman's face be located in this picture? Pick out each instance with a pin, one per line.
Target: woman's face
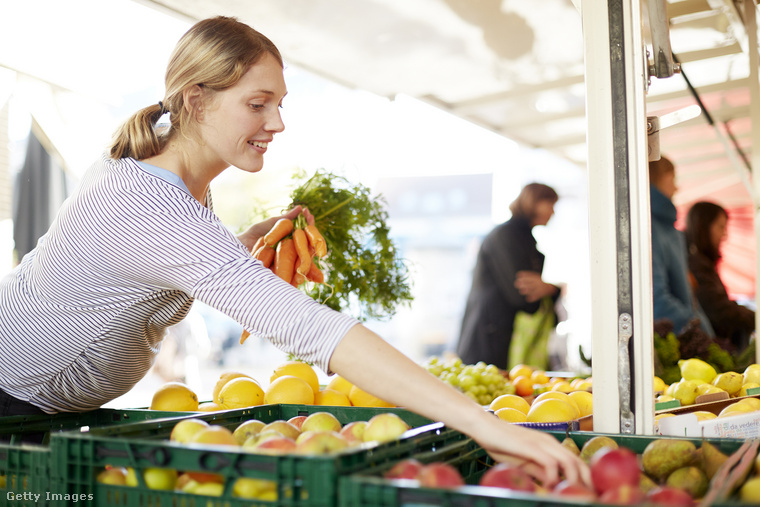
(240, 122)
(718, 230)
(542, 212)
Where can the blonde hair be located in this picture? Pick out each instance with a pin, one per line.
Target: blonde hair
(213, 54)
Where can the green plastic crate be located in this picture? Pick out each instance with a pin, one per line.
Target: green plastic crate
(25, 468)
(303, 481)
(369, 489)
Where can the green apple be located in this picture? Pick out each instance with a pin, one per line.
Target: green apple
(114, 475)
(247, 429)
(184, 430)
(160, 478)
(384, 428)
(321, 421)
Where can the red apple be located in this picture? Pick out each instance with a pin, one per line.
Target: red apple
(624, 494)
(274, 445)
(297, 421)
(508, 476)
(406, 469)
(354, 432)
(574, 490)
(667, 495)
(611, 468)
(439, 475)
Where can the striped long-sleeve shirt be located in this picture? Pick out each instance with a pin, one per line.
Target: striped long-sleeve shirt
(83, 315)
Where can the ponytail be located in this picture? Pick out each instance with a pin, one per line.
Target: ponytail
(137, 137)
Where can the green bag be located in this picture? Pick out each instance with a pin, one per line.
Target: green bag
(530, 336)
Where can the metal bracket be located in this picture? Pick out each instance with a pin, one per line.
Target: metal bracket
(625, 332)
(657, 123)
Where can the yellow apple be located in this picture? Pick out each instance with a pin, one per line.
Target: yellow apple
(114, 475)
(184, 430)
(261, 437)
(321, 442)
(384, 428)
(284, 427)
(321, 421)
(247, 429)
(160, 478)
(354, 432)
(246, 487)
(274, 445)
(214, 435)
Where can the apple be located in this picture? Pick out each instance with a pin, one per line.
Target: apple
(577, 491)
(184, 430)
(439, 475)
(321, 421)
(384, 428)
(209, 489)
(668, 495)
(247, 429)
(204, 477)
(245, 487)
(214, 435)
(283, 427)
(612, 468)
(114, 475)
(405, 469)
(625, 494)
(508, 476)
(321, 442)
(274, 445)
(160, 478)
(354, 432)
(297, 421)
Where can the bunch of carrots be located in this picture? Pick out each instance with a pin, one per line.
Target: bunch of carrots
(288, 249)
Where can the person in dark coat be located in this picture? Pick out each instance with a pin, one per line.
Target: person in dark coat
(507, 279)
(705, 231)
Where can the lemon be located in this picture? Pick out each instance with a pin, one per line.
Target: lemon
(751, 402)
(730, 381)
(671, 388)
(511, 415)
(709, 389)
(562, 387)
(696, 369)
(752, 374)
(664, 398)
(241, 392)
(747, 386)
(661, 416)
(174, 397)
(338, 383)
(223, 379)
(551, 410)
(585, 402)
(735, 409)
(332, 398)
(510, 401)
(704, 415)
(558, 396)
(686, 391)
(361, 398)
(659, 385)
(289, 389)
(297, 369)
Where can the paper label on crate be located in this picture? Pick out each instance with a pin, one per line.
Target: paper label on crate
(741, 426)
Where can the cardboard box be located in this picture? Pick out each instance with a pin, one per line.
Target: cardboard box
(742, 426)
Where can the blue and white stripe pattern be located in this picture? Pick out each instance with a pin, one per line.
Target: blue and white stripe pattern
(83, 315)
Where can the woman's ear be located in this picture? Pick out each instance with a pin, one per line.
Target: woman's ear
(193, 100)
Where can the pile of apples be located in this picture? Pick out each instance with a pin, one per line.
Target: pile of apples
(319, 433)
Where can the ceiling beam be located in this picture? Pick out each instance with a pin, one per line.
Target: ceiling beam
(517, 92)
(702, 90)
(705, 54)
(687, 8)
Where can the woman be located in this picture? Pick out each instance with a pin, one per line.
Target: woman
(705, 231)
(82, 317)
(507, 279)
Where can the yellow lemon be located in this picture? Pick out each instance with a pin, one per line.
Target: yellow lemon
(174, 397)
(686, 391)
(585, 402)
(696, 369)
(223, 379)
(551, 410)
(361, 398)
(730, 381)
(751, 402)
(558, 396)
(663, 398)
(289, 390)
(241, 392)
(736, 408)
(746, 387)
(752, 374)
(671, 388)
(510, 401)
(209, 406)
(338, 383)
(661, 416)
(704, 415)
(332, 398)
(709, 389)
(511, 415)
(297, 369)
(659, 385)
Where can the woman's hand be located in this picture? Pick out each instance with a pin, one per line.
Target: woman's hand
(249, 237)
(532, 287)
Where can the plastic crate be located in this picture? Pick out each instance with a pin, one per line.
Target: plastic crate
(369, 489)
(25, 467)
(304, 481)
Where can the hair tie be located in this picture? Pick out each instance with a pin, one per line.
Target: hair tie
(163, 109)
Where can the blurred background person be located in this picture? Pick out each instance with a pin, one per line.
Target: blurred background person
(671, 290)
(507, 279)
(705, 231)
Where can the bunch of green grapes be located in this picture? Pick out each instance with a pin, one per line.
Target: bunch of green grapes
(482, 382)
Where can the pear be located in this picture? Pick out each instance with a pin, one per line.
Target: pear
(690, 479)
(646, 484)
(594, 445)
(711, 459)
(663, 456)
(570, 445)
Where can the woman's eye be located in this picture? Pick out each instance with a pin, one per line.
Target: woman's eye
(256, 107)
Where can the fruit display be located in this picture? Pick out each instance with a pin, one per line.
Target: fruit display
(632, 470)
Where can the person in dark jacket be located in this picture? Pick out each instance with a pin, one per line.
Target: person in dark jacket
(671, 290)
(506, 279)
(705, 231)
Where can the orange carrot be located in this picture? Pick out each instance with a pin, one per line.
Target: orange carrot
(265, 254)
(244, 336)
(285, 259)
(257, 245)
(315, 275)
(316, 240)
(302, 248)
(281, 228)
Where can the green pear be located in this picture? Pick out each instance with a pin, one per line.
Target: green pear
(690, 479)
(711, 459)
(570, 445)
(646, 483)
(663, 456)
(594, 445)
